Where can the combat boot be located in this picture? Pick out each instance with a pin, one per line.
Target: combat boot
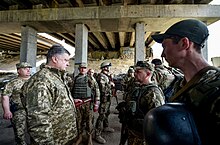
(99, 138)
(108, 129)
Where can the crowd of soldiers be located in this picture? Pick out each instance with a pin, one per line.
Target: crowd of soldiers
(58, 109)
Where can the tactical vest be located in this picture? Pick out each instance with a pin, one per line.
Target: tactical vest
(81, 88)
(136, 111)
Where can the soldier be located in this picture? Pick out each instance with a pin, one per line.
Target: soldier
(164, 78)
(105, 86)
(200, 89)
(11, 103)
(51, 113)
(125, 81)
(83, 91)
(95, 90)
(143, 98)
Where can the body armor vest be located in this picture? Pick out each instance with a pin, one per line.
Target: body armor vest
(81, 88)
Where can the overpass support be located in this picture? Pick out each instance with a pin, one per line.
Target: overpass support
(205, 48)
(139, 42)
(81, 51)
(28, 48)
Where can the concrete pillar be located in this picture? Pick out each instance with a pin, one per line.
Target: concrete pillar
(205, 48)
(81, 51)
(205, 51)
(139, 42)
(28, 48)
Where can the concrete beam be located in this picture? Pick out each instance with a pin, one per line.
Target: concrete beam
(157, 17)
(122, 38)
(101, 39)
(111, 38)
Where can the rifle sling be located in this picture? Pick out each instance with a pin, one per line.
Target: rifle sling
(192, 82)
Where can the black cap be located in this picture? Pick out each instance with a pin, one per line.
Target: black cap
(193, 29)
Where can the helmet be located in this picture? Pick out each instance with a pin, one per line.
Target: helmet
(105, 64)
(170, 124)
(130, 70)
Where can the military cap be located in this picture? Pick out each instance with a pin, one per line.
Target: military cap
(193, 29)
(144, 65)
(83, 64)
(105, 64)
(156, 61)
(23, 65)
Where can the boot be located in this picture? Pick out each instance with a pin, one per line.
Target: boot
(108, 129)
(79, 140)
(98, 137)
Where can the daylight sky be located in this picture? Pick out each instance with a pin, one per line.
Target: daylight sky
(214, 38)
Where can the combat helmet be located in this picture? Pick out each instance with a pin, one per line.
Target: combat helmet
(105, 64)
(170, 124)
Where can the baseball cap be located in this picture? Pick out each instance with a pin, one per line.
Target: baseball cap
(83, 65)
(193, 29)
(143, 65)
(23, 65)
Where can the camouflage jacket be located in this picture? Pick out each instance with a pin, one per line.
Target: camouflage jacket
(145, 98)
(95, 88)
(105, 87)
(203, 100)
(13, 89)
(163, 76)
(51, 113)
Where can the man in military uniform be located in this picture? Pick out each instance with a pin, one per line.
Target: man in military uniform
(164, 78)
(143, 98)
(105, 86)
(51, 113)
(83, 92)
(126, 81)
(95, 90)
(11, 103)
(200, 89)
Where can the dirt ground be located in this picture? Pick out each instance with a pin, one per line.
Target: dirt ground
(7, 134)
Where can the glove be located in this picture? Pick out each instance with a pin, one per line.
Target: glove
(96, 106)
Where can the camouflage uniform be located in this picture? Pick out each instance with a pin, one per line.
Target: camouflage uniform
(105, 102)
(203, 100)
(163, 76)
(143, 99)
(51, 113)
(128, 84)
(13, 89)
(84, 110)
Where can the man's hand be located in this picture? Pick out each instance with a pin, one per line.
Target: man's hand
(7, 115)
(78, 102)
(96, 106)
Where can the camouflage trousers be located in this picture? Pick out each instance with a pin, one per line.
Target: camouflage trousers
(85, 118)
(19, 126)
(104, 112)
(134, 138)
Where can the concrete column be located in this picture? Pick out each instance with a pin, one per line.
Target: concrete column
(28, 48)
(205, 51)
(81, 51)
(205, 48)
(139, 42)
